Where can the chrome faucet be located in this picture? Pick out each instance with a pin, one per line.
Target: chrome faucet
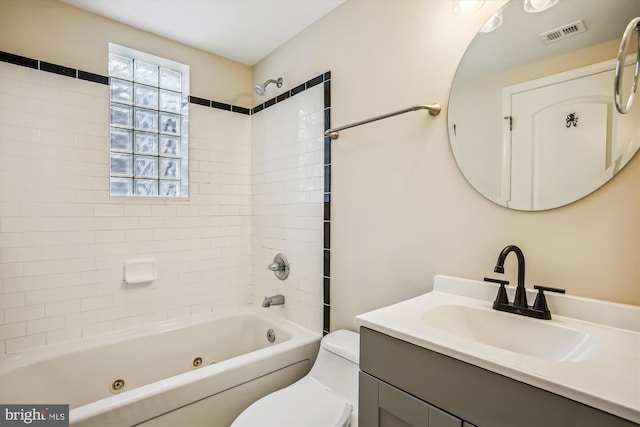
(521, 295)
(274, 300)
(539, 310)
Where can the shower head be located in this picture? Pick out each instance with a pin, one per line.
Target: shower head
(262, 89)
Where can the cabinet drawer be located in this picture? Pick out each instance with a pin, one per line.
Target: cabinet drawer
(383, 405)
(394, 403)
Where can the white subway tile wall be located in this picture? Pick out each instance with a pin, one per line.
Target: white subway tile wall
(287, 203)
(63, 240)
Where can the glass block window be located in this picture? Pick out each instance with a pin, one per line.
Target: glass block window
(149, 125)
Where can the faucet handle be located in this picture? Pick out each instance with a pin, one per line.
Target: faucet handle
(541, 302)
(541, 289)
(502, 297)
(500, 282)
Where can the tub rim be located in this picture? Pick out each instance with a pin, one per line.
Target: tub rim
(263, 359)
(13, 361)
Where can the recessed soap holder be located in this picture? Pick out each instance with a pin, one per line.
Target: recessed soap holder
(140, 271)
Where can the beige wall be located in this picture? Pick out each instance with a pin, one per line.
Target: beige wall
(62, 34)
(401, 210)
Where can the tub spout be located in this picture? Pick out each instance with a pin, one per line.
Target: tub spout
(274, 300)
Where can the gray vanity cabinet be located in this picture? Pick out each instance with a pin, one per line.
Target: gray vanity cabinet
(394, 408)
(404, 385)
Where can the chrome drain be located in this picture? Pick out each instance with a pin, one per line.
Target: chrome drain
(117, 385)
(271, 335)
(197, 362)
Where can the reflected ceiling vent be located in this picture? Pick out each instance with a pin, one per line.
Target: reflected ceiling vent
(563, 32)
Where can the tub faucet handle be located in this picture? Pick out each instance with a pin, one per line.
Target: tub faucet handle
(280, 266)
(275, 266)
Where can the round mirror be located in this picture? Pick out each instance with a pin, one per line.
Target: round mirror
(532, 123)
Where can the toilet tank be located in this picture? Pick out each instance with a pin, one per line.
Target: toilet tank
(336, 366)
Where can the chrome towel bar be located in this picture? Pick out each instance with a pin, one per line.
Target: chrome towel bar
(434, 110)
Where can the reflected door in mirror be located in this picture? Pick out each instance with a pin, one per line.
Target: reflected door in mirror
(553, 128)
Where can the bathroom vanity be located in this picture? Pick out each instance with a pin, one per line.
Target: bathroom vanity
(447, 359)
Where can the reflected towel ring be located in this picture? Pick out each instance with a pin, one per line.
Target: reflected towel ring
(634, 25)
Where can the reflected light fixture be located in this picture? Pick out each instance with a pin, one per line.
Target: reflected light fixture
(463, 7)
(535, 6)
(492, 23)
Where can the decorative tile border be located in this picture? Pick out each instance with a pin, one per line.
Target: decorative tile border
(52, 68)
(219, 105)
(327, 206)
(326, 77)
(321, 79)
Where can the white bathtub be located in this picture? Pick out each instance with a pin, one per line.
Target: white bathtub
(161, 386)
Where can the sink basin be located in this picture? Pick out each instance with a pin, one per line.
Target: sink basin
(538, 338)
(589, 352)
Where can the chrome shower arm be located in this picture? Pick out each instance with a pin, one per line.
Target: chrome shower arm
(277, 82)
(262, 89)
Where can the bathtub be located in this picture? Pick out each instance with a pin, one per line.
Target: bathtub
(200, 371)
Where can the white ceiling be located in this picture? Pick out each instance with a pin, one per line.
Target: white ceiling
(517, 43)
(242, 30)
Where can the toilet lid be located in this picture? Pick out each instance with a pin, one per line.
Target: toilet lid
(303, 404)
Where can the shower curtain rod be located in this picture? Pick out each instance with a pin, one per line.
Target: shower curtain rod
(434, 110)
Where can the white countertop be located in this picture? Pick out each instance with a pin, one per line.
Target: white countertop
(608, 380)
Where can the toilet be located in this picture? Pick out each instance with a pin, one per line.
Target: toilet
(326, 397)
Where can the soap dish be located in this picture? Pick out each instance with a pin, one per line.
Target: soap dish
(139, 271)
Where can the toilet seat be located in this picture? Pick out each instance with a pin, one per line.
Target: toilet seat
(306, 403)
